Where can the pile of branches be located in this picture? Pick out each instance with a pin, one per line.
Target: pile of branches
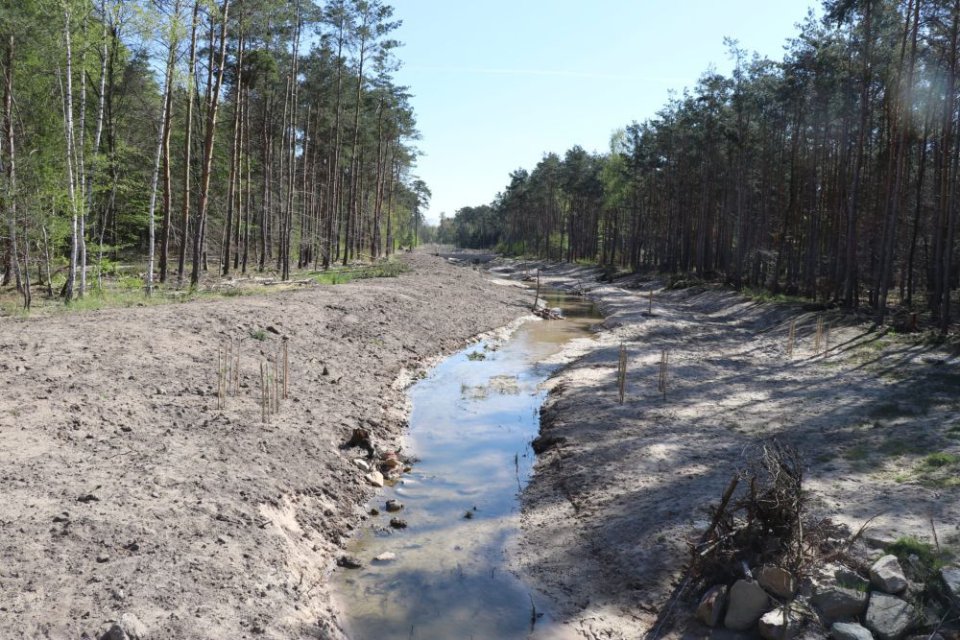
(763, 523)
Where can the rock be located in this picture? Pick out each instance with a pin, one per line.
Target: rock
(541, 444)
(390, 464)
(850, 579)
(925, 636)
(397, 523)
(886, 575)
(375, 478)
(838, 603)
(103, 557)
(361, 464)
(386, 556)
(890, 618)
(951, 580)
(135, 629)
(394, 505)
(850, 631)
(712, 604)
(128, 627)
(777, 581)
(349, 562)
(748, 601)
(779, 624)
(360, 438)
(115, 632)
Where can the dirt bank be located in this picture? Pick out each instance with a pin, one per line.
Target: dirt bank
(126, 491)
(611, 507)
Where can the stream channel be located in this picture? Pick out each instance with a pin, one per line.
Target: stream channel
(445, 575)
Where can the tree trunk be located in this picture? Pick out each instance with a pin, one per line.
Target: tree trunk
(188, 141)
(9, 141)
(213, 102)
(70, 143)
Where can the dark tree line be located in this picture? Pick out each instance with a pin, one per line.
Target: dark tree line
(199, 136)
(830, 174)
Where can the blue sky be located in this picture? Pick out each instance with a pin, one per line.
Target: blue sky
(497, 83)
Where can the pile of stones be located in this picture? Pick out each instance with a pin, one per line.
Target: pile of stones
(839, 602)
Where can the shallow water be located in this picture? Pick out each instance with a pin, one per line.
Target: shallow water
(473, 419)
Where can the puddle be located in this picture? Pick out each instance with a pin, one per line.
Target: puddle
(473, 419)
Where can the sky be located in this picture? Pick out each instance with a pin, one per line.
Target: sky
(496, 84)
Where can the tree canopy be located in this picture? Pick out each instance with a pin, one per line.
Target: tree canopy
(831, 173)
(199, 136)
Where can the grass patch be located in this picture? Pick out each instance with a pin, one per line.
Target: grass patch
(343, 275)
(258, 334)
(930, 559)
(125, 288)
(940, 459)
(476, 355)
(937, 470)
(764, 295)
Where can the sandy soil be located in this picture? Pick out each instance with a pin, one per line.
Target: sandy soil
(126, 491)
(609, 510)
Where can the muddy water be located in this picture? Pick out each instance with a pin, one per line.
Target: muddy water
(473, 419)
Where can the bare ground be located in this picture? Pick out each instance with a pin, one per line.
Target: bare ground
(125, 490)
(610, 509)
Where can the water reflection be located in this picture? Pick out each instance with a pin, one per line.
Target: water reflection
(472, 421)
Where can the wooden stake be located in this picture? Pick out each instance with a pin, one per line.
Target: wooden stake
(537, 299)
(276, 387)
(792, 338)
(263, 392)
(286, 368)
(236, 369)
(622, 372)
(818, 337)
(220, 376)
(662, 384)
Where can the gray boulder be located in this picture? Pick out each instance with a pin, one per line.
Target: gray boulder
(889, 617)
(837, 603)
(778, 582)
(128, 627)
(951, 580)
(850, 631)
(850, 579)
(887, 575)
(712, 604)
(748, 601)
(779, 624)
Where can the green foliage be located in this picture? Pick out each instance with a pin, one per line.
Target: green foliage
(118, 152)
(940, 459)
(774, 177)
(258, 334)
(343, 275)
(930, 558)
(765, 295)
